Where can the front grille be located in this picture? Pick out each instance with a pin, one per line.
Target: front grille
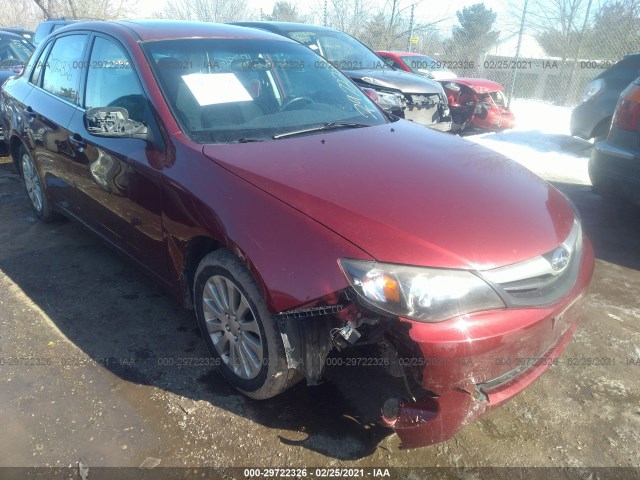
(421, 101)
(539, 281)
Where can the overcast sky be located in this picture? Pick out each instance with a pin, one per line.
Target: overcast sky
(425, 11)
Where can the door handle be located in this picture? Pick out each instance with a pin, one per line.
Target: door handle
(78, 142)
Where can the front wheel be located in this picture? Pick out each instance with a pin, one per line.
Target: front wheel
(238, 329)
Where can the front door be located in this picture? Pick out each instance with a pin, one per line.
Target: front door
(118, 180)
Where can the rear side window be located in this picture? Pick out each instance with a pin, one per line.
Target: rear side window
(36, 73)
(112, 82)
(63, 69)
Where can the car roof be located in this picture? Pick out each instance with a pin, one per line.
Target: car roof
(7, 34)
(404, 54)
(15, 29)
(150, 30)
(633, 58)
(284, 27)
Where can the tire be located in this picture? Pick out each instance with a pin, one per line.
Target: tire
(40, 204)
(247, 345)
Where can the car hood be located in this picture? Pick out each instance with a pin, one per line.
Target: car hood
(478, 85)
(436, 75)
(394, 79)
(405, 194)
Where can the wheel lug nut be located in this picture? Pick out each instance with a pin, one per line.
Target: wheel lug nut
(235, 338)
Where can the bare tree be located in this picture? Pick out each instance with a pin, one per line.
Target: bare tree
(285, 12)
(20, 13)
(28, 13)
(349, 16)
(84, 9)
(207, 10)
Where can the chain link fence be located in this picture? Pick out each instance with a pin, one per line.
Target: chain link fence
(543, 49)
(546, 50)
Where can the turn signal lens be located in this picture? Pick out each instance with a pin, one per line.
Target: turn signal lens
(627, 114)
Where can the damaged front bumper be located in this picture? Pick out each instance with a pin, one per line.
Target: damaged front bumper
(475, 362)
(429, 110)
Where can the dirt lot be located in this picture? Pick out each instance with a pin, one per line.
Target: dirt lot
(98, 335)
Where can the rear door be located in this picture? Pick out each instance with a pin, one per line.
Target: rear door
(119, 179)
(48, 110)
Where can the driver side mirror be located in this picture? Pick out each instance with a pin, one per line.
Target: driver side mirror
(113, 122)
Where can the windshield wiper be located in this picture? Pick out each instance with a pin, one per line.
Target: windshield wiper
(326, 126)
(247, 140)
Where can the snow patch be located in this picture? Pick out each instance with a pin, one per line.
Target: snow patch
(542, 143)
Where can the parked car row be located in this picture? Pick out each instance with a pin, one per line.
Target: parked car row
(445, 106)
(474, 102)
(610, 114)
(297, 217)
(405, 95)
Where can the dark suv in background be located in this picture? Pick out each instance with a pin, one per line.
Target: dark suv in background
(592, 118)
(614, 167)
(50, 26)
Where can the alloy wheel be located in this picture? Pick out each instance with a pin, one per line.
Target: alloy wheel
(233, 327)
(32, 182)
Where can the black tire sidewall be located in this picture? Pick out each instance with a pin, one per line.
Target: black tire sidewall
(243, 384)
(274, 376)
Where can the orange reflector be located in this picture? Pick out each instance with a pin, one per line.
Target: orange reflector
(391, 289)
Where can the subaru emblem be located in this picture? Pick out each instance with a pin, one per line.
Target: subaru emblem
(560, 259)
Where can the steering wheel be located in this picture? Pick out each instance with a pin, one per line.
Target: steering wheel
(296, 101)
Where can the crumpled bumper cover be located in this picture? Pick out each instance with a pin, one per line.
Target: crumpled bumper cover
(476, 362)
(496, 118)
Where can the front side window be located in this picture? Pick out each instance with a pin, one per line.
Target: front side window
(112, 81)
(230, 90)
(63, 68)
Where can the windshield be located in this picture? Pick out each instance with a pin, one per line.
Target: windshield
(233, 90)
(423, 63)
(14, 52)
(341, 50)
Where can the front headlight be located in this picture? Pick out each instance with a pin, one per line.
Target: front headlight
(390, 101)
(594, 87)
(425, 294)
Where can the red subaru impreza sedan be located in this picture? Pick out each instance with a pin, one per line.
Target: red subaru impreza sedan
(269, 194)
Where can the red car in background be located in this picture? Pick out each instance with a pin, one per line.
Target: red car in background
(478, 103)
(268, 193)
(474, 102)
